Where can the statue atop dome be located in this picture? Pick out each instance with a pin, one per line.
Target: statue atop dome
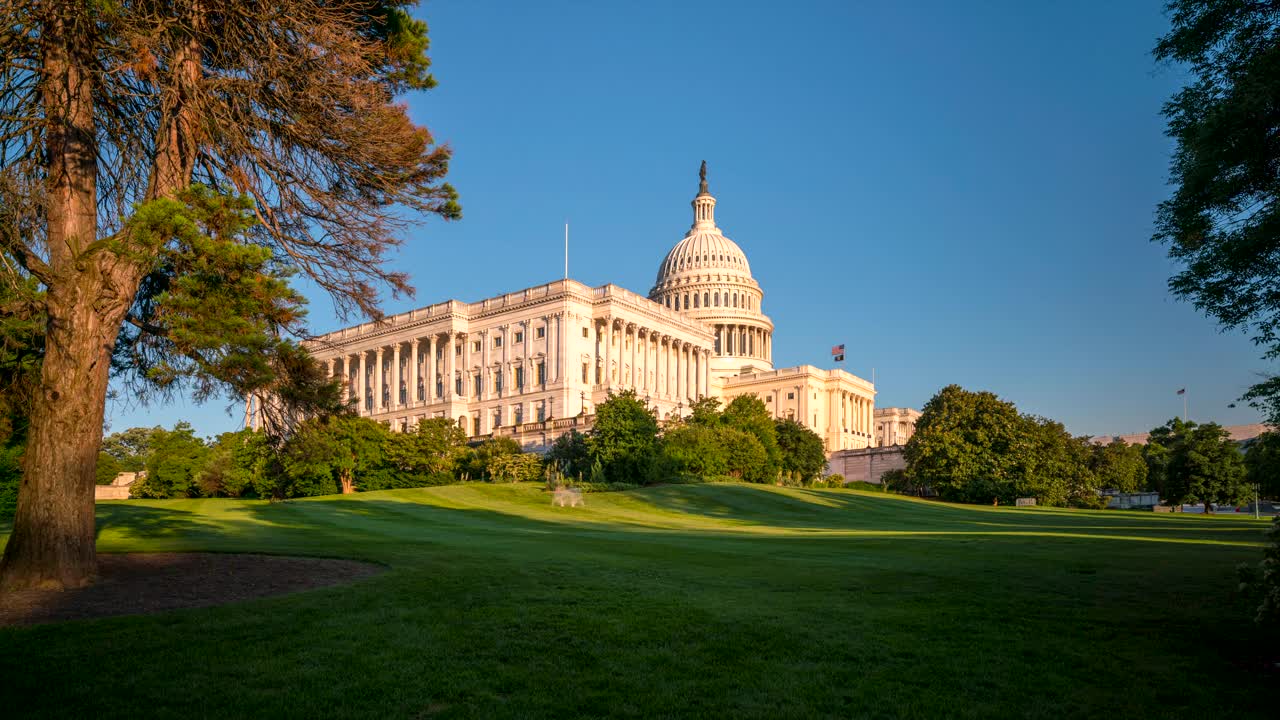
(702, 178)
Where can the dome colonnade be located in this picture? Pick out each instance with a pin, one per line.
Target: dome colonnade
(706, 276)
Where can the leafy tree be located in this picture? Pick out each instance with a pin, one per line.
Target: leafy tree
(803, 451)
(176, 456)
(1263, 580)
(158, 164)
(1262, 460)
(1222, 223)
(1190, 463)
(746, 456)
(235, 460)
(427, 454)
(333, 453)
(476, 464)
(569, 453)
(749, 414)
(1051, 466)
(107, 470)
(624, 439)
(1119, 466)
(693, 450)
(965, 444)
(131, 447)
(705, 411)
(520, 467)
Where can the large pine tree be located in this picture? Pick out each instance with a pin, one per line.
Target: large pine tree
(164, 167)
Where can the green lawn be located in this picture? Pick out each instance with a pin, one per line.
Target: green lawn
(714, 600)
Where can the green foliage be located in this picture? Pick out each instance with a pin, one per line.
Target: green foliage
(131, 447)
(1263, 580)
(514, 468)
(693, 451)
(964, 445)
(176, 456)
(802, 450)
(107, 470)
(10, 478)
(624, 439)
(705, 412)
(213, 307)
(975, 447)
(1119, 466)
(746, 456)
(428, 454)
(749, 414)
(569, 454)
(477, 463)
(1190, 463)
(1222, 222)
(338, 453)
(1262, 461)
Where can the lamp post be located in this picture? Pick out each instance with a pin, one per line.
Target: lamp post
(680, 410)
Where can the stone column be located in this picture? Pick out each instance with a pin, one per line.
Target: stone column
(429, 384)
(377, 380)
(635, 341)
(486, 391)
(412, 385)
(362, 384)
(449, 366)
(396, 376)
(606, 376)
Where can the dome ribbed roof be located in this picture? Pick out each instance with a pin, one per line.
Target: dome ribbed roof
(703, 250)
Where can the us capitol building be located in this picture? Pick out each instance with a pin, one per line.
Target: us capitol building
(534, 363)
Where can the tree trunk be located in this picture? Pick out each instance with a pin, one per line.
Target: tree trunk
(52, 544)
(348, 482)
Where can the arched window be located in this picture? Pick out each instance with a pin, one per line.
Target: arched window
(677, 306)
(686, 301)
(735, 299)
(695, 299)
(716, 298)
(706, 299)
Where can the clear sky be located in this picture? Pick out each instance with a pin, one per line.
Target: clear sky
(959, 192)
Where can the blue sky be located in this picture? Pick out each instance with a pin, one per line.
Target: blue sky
(959, 192)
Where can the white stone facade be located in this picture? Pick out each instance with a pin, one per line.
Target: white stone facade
(895, 426)
(533, 364)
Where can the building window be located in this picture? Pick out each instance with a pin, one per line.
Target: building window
(716, 298)
(519, 414)
(497, 380)
(540, 333)
(696, 299)
(475, 346)
(584, 373)
(479, 385)
(706, 299)
(677, 305)
(497, 341)
(542, 412)
(519, 379)
(476, 423)
(791, 396)
(457, 350)
(768, 398)
(585, 333)
(457, 385)
(686, 301)
(542, 373)
(497, 419)
(519, 336)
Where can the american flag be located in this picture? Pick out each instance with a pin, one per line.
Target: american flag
(837, 352)
(1183, 391)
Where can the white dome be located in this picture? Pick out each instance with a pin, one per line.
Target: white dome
(700, 252)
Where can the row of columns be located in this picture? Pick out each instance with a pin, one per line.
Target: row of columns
(432, 364)
(744, 341)
(651, 362)
(854, 413)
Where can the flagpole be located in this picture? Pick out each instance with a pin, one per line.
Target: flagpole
(566, 251)
(1184, 406)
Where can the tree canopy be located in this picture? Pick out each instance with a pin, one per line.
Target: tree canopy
(1191, 463)
(1222, 223)
(164, 171)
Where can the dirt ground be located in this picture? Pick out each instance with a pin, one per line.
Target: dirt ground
(139, 583)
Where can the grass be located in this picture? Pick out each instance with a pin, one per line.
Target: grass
(715, 600)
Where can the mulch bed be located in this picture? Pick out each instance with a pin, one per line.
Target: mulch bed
(139, 583)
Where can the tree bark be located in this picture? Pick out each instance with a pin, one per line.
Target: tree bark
(52, 544)
(53, 540)
(348, 482)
